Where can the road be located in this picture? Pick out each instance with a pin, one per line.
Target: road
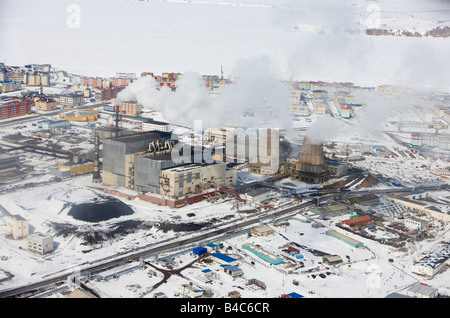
(121, 260)
(229, 228)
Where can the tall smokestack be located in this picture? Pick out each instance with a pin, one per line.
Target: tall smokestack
(96, 178)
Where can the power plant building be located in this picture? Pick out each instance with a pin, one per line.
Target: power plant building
(311, 168)
(143, 163)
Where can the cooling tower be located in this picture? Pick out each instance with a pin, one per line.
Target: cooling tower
(311, 167)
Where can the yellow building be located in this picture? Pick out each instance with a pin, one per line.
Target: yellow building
(17, 226)
(75, 169)
(88, 115)
(45, 104)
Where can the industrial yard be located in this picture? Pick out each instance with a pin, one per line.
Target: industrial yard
(237, 181)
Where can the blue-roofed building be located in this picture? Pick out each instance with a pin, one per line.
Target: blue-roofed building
(233, 271)
(293, 295)
(207, 272)
(224, 259)
(212, 247)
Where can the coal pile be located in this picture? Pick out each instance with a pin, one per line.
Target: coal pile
(100, 211)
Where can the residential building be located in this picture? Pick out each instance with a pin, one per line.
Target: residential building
(45, 104)
(14, 107)
(108, 93)
(130, 108)
(9, 86)
(70, 100)
(40, 243)
(17, 226)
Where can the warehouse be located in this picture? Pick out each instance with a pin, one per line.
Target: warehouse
(257, 195)
(344, 238)
(261, 253)
(262, 231)
(55, 124)
(357, 221)
(422, 291)
(224, 259)
(432, 263)
(233, 271)
(330, 210)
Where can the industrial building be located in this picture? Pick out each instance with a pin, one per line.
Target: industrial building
(224, 259)
(261, 253)
(17, 226)
(135, 161)
(344, 238)
(194, 179)
(311, 168)
(143, 163)
(336, 169)
(150, 125)
(433, 262)
(88, 115)
(358, 220)
(262, 230)
(330, 210)
(257, 195)
(422, 291)
(54, 124)
(416, 224)
(40, 243)
(8, 162)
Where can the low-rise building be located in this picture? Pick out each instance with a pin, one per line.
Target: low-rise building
(224, 259)
(233, 271)
(262, 231)
(155, 125)
(40, 243)
(257, 195)
(55, 124)
(433, 262)
(422, 291)
(416, 224)
(17, 226)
